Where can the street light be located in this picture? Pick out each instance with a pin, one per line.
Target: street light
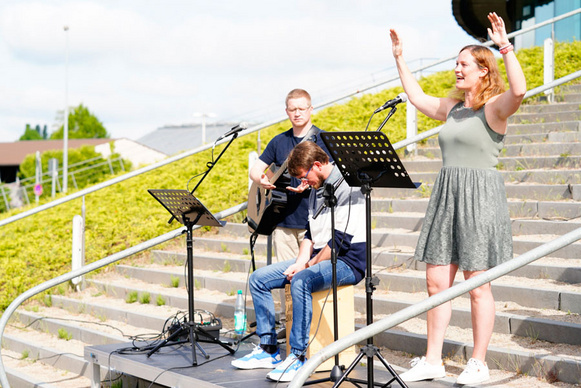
(203, 116)
(66, 118)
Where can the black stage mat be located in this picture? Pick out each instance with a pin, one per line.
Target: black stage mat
(172, 366)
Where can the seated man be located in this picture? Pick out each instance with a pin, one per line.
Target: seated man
(312, 269)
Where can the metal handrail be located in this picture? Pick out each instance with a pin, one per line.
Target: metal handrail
(451, 293)
(89, 268)
(347, 341)
(431, 302)
(253, 129)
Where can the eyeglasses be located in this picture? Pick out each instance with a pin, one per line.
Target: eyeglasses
(307, 174)
(300, 110)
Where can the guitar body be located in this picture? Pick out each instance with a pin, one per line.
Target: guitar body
(266, 208)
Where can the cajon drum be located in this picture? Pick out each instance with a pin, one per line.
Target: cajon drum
(346, 322)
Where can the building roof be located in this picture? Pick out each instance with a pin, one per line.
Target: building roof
(12, 154)
(172, 139)
(472, 15)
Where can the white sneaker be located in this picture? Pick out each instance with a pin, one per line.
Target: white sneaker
(258, 359)
(422, 370)
(286, 371)
(476, 372)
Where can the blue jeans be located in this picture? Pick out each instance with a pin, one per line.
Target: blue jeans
(316, 278)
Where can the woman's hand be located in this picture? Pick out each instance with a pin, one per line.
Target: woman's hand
(396, 44)
(498, 32)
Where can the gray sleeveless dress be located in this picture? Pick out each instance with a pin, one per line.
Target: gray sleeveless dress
(467, 221)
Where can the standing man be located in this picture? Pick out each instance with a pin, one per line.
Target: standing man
(312, 269)
(289, 233)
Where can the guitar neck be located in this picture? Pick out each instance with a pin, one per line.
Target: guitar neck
(279, 172)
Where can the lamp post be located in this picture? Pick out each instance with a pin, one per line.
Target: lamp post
(203, 116)
(66, 118)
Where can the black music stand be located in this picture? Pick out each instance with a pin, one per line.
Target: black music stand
(188, 210)
(367, 160)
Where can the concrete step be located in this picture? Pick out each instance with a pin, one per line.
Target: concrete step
(566, 210)
(564, 176)
(548, 108)
(563, 270)
(413, 222)
(506, 163)
(560, 132)
(537, 292)
(524, 191)
(403, 337)
(549, 137)
(519, 128)
(572, 98)
(522, 149)
(383, 237)
(524, 118)
(39, 352)
(392, 295)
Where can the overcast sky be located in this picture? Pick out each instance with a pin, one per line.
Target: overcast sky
(142, 64)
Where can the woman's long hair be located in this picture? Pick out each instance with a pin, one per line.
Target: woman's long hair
(490, 85)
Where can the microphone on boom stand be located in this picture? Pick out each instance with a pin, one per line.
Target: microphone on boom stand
(402, 97)
(240, 127)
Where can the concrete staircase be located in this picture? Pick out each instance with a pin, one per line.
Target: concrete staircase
(538, 323)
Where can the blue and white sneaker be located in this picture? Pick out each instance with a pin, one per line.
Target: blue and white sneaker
(287, 370)
(258, 359)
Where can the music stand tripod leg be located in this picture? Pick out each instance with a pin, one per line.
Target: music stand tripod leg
(370, 350)
(331, 202)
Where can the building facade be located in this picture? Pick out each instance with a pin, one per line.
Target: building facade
(519, 14)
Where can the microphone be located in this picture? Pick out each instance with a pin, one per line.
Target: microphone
(240, 127)
(402, 97)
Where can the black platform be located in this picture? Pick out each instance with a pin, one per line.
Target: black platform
(172, 367)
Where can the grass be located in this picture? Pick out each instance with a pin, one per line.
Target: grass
(118, 217)
(64, 334)
(131, 297)
(145, 298)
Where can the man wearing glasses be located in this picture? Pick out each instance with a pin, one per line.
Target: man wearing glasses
(311, 270)
(290, 232)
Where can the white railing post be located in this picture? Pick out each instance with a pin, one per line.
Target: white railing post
(411, 125)
(549, 67)
(6, 202)
(78, 257)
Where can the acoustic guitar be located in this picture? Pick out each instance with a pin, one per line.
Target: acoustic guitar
(266, 208)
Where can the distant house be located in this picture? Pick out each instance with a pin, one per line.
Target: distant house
(13, 154)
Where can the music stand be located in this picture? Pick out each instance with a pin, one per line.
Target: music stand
(188, 210)
(367, 160)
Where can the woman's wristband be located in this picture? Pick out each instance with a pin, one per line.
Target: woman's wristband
(506, 49)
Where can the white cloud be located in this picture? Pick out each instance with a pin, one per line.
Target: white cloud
(141, 64)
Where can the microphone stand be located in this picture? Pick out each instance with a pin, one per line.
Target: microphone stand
(391, 112)
(211, 166)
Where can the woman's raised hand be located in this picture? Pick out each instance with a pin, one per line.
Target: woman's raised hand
(396, 44)
(498, 32)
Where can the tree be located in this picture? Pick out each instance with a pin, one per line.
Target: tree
(32, 134)
(82, 125)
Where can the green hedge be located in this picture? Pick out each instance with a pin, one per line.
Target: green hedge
(38, 248)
